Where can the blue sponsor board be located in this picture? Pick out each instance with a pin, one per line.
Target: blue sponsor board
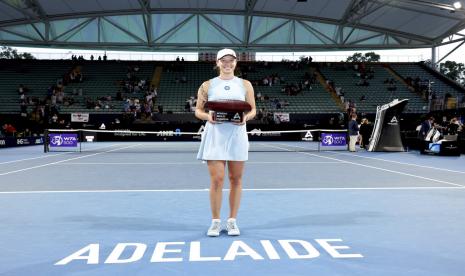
(63, 139)
(23, 141)
(333, 139)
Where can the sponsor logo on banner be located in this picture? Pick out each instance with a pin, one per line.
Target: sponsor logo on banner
(281, 117)
(259, 132)
(39, 141)
(199, 133)
(2, 143)
(165, 133)
(127, 132)
(80, 117)
(451, 147)
(256, 131)
(333, 139)
(63, 139)
(394, 121)
(308, 136)
(22, 142)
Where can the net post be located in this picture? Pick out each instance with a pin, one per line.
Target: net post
(80, 140)
(46, 140)
(319, 141)
(347, 139)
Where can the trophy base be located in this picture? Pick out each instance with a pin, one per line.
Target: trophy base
(228, 117)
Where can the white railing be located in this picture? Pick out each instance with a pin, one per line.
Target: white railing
(192, 56)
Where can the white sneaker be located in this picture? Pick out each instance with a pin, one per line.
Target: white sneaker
(232, 228)
(215, 228)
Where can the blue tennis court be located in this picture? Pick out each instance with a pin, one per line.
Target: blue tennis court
(143, 209)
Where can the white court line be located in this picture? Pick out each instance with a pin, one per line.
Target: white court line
(49, 155)
(373, 167)
(61, 161)
(32, 158)
(247, 190)
(191, 163)
(401, 163)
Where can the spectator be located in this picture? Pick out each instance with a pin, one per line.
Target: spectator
(365, 133)
(454, 126)
(353, 132)
(9, 130)
(425, 127)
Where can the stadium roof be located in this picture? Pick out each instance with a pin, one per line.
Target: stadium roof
(255, 25)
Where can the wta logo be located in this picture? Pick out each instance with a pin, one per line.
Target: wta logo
(333, 139)
(328, 140)
(63, 140)
(56, 140)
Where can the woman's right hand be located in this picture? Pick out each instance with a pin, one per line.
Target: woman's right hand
(211, 120)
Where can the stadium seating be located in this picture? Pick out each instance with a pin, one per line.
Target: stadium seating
(102, 78)
(376, 93)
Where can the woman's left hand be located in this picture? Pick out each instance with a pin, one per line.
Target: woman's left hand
(244, 119)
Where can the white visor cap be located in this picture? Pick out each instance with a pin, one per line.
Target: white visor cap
(225, 52)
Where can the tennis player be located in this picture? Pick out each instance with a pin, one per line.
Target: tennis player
(224, 143)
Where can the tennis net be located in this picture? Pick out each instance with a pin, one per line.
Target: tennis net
(117, 141)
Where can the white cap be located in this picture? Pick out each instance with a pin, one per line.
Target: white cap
(225, 52)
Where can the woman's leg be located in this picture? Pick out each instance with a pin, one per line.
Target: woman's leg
(235, 171)
(216, 169)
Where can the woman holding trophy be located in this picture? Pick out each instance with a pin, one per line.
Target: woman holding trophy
(231, 104)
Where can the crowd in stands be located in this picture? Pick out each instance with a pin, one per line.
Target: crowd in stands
(452, 126)
(139, 97)
(191, 102)
(177, 66)
(391, 84)
(7, 130)
(80, 58)
(419, 86)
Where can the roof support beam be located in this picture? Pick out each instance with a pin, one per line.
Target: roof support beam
(116, 25)
(33, 12)
(271, 31)
(249, 8)
(20, 35)
(173, 30)
(76, 28)
(344, 20)
(225, 32)
(364, 39)
(451, 41)
(451, 51)
(234, 12)
(317, 33)
(145, 6)
(42, 15)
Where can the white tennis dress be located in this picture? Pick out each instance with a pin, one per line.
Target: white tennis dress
(225, 141)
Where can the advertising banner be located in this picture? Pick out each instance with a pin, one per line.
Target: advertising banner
(80, 117)
(63, 139)
(333, 139)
